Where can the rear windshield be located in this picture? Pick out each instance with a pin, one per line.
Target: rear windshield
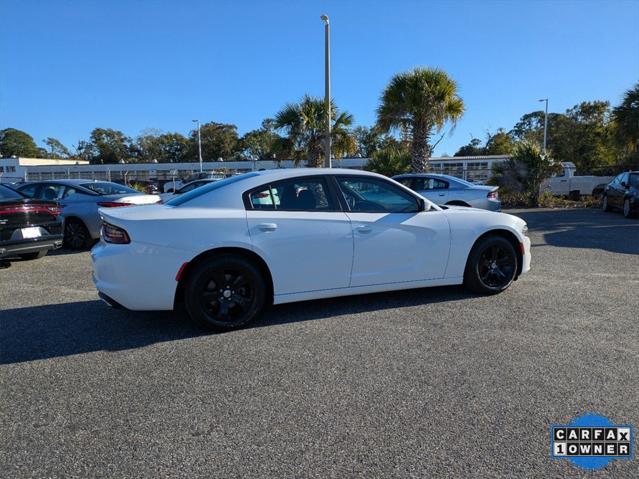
(108, 188)
(202, 190)
(8, 194)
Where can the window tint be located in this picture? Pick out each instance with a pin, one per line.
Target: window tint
(634, 180)
(370, 195)
(50, 192)
(430, 184)
(624, 178)
(69, 191)
(181, 199)
(408, 182)
(29, 190)
(108, 188)
(297, 194)
(8, 194)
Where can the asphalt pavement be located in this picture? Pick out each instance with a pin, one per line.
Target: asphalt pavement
(421, 383)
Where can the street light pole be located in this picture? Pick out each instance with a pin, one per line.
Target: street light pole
(199, 142)
(327, 89)
(545, 124)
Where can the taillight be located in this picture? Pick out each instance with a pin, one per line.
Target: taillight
(493, 195)
(112, 204)
(54, 210)
(114, 234)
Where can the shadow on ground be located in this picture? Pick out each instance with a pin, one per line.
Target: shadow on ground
(585, 228)
(56, 330)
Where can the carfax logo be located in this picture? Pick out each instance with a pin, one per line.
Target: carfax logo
(591, 441)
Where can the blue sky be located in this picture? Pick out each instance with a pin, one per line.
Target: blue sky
(69, 66)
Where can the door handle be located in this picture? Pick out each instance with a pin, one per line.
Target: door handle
(442, 194)
(267, 226)
(364, 229)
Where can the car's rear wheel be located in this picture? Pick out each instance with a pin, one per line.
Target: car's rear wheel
(627, 210)
(492, 266)
(604, 203)
(31, 256)
(76, 235)
(225, 292)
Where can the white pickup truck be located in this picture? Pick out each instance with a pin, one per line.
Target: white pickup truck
(567, 184)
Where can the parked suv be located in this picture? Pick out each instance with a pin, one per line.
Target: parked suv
(623, 193)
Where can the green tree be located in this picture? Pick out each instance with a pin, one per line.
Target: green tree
(420, 102)
(219, 140)
(263, 143)
(304, 125)
(473, 148)
(500, 143)
(626, 125)
(106, 146)
(392, 158)
(17, 143)
(57, 149)
(583, 134)
(163, 147)
(526, 170)
(369, 140)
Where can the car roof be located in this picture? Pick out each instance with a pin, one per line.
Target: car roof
(68, 181)
(282, 173)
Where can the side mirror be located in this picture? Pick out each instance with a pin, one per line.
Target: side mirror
(624, 184)
(423, 205)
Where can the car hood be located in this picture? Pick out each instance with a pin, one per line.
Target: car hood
(463, 217)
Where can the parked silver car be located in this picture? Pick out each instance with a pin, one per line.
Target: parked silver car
(80, 200)
(448, 190)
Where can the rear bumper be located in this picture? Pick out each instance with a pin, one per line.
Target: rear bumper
(30, 246)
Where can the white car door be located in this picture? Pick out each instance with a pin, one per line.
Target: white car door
(394, 241)
(298, 227)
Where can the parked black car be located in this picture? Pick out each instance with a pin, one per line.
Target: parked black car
(623, 193)
(28, 228)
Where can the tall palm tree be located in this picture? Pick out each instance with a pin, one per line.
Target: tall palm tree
(419, 102)
(304, 124)
(626, 117)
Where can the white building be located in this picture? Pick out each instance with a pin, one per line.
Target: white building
(471, 168)
(14, 169)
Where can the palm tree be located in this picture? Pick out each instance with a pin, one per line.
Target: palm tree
(418, 103)
(626, 117)
(304, 124)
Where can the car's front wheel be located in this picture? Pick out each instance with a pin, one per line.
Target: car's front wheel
(225, 292)
(492, 266)
(604, 203)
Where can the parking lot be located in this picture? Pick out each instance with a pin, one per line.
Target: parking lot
(423, 383)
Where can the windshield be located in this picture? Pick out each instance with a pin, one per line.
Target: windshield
(107, 188)
(8, 194)
(202, 190)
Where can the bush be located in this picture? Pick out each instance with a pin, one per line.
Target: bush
(392, 159)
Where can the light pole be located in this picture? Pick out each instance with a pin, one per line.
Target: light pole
(199, 142)
(327, 89)
(545, 123)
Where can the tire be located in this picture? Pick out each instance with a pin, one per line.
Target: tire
(627, 209)
(32, 256)
(492, 266)
(604, 203)
(458, 203)
(224, 293)
(76, 235)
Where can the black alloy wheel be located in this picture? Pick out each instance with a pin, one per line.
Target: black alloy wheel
(76, 235)
(225, 292)
(492, 266)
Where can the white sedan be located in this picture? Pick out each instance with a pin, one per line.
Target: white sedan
(227, 249)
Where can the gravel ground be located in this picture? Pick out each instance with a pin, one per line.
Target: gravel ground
(420, 383)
